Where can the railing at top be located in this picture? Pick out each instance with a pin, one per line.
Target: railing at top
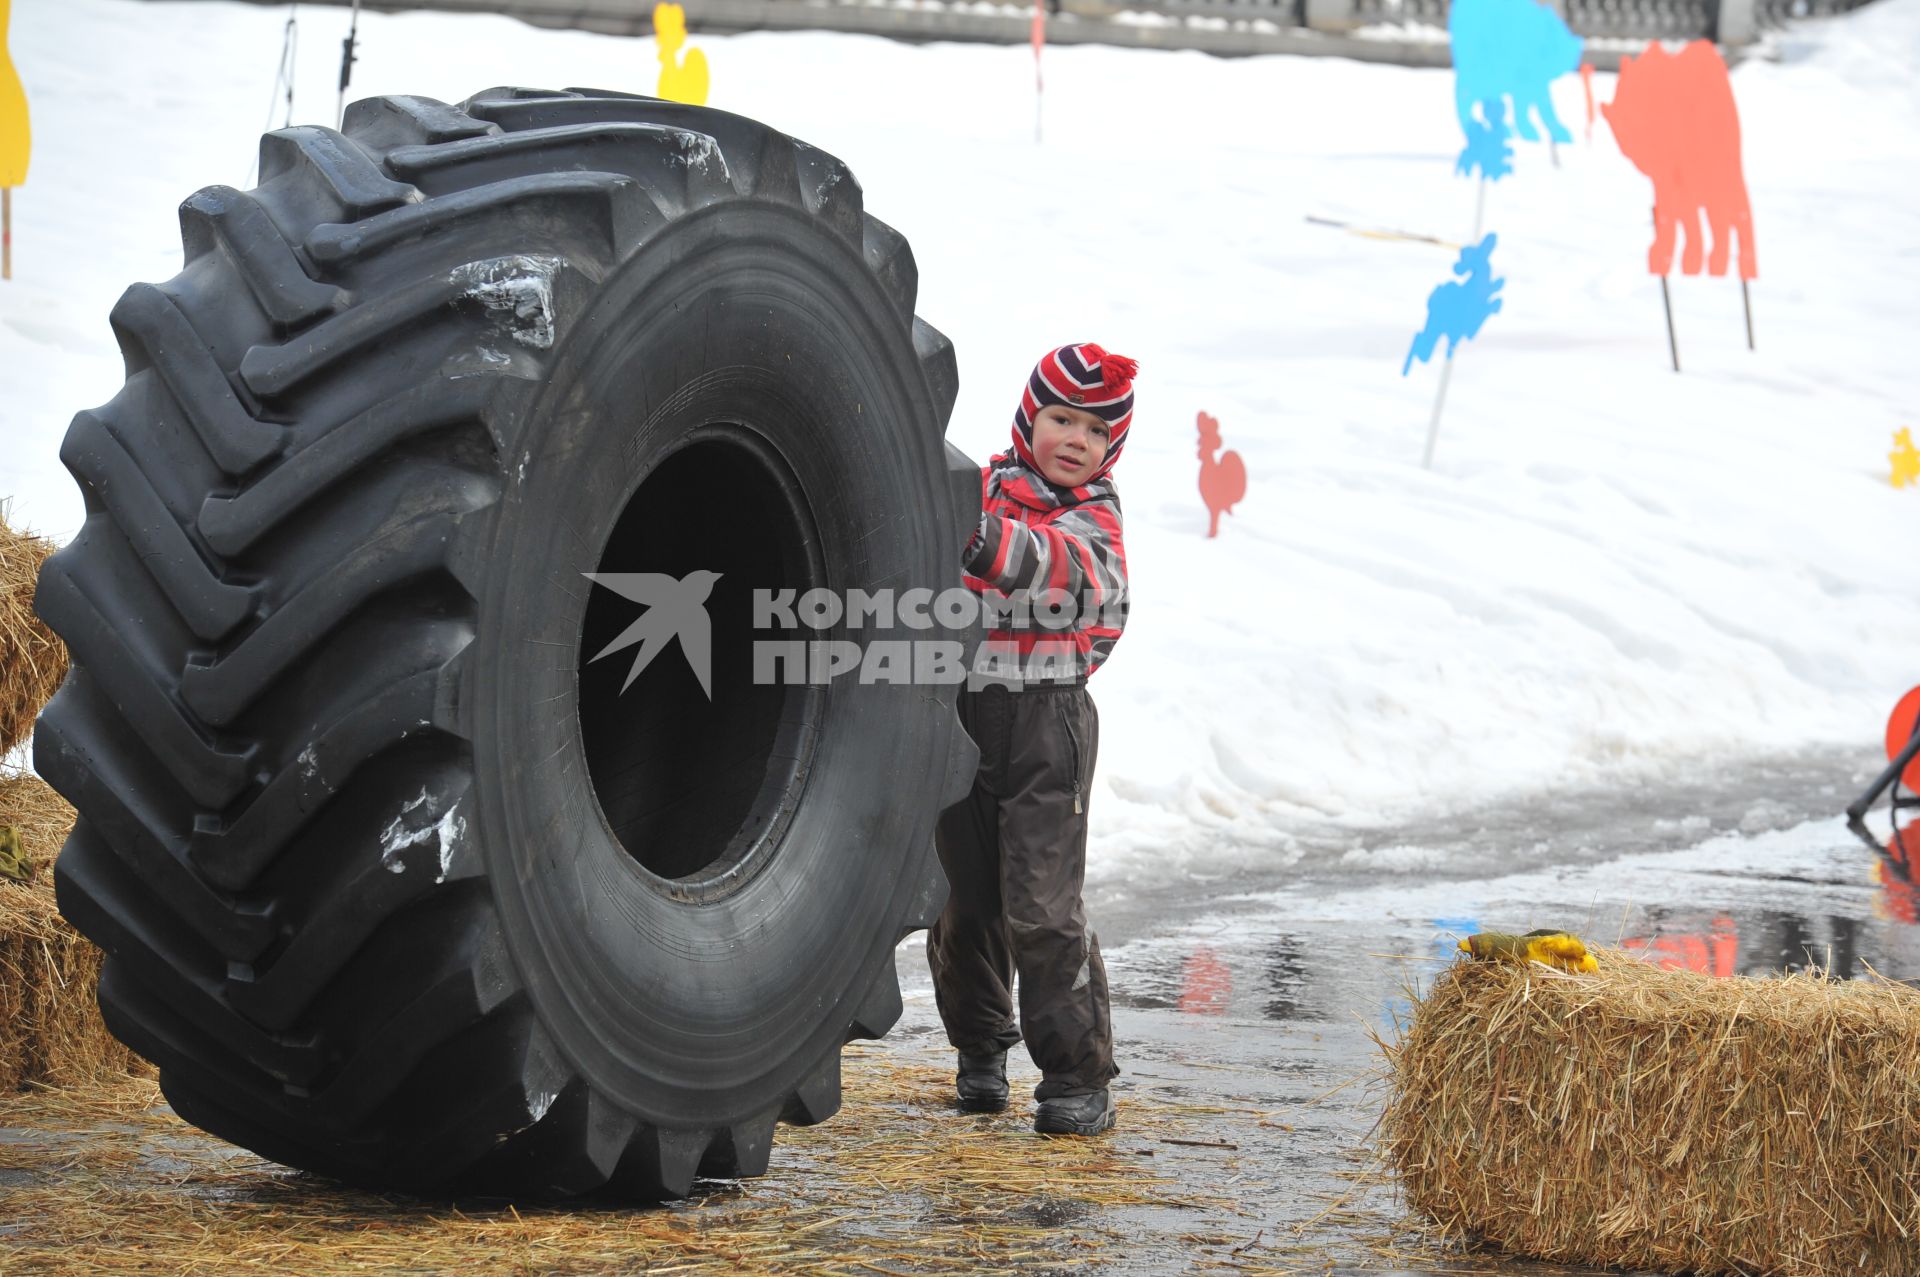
(1349, 28)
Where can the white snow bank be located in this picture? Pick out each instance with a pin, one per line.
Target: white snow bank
(1611, 570)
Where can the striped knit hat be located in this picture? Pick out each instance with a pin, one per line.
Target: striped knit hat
(1084, 377)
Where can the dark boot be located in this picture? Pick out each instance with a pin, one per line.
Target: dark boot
(982, 1082)
(1076, 1114)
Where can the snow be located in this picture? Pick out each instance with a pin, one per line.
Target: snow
(520, 288)
(1611, 572)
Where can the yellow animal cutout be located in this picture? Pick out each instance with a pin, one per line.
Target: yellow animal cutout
(16, 139)
(679, 82)
(1553, 948)
(1905, 458)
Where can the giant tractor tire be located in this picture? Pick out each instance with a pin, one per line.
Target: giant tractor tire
(397, 882)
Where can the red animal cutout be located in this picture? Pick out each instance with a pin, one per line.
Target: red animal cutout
(1674, 117)
(1222, 482)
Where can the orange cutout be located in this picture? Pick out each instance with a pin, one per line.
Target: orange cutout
(1674, 117)
(1222, 482)
(1899, 731)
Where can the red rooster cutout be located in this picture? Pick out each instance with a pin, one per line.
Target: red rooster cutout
(1222, 482)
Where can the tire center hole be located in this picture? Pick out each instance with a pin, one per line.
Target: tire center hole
(696, 789)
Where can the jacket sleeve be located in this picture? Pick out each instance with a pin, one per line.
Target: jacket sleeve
(1081, 551)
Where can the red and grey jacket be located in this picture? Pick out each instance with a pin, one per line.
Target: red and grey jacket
(1052, 567)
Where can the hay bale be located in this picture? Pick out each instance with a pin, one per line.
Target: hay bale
(50, 1027)
(1665, 1120)
(32, 660)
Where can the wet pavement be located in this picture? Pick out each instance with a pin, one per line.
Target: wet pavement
(1260, 994)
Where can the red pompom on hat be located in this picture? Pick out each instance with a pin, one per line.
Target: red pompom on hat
(1082, 376)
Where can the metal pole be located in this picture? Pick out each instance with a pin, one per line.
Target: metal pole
(6, 232)
(290, 56)
(1673, 345)
(1446, 369)
(1038, 37)
(1746, 303)
(347, 59)
(1433, 429)
(1858, 807)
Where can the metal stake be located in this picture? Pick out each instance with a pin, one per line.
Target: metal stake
(347, 59)
(1433, 429)
(1673, 346)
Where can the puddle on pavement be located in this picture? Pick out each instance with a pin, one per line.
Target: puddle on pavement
(1783, 901)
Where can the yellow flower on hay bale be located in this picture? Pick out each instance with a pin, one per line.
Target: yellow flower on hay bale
(1545, 946)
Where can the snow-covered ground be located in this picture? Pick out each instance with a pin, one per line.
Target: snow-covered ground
(1610, 571)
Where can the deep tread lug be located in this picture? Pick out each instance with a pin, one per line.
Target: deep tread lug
(147, 318)
(680, 169)
(221, 217)
(741, 1151)
(271, 371)
(328, 165)
(94, 892)
(890, 259)
(211, 775)
(942, 371)
(222, 692)
(231, 854)
(406, 120)
(829, 191)
(625, 213)
(817, 1098)
(232, 524)
(75, 757)
(661, 1163)
(209, 606)
(880, 1010)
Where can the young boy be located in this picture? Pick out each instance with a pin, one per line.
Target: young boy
(1015, 849)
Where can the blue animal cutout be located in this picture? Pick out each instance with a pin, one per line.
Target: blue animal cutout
(1510, 48)
(1456, 311)
(1487, 147)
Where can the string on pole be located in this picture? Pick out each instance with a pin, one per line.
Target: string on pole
(283, 78)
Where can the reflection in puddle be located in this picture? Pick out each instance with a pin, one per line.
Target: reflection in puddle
(1206, 985)
(1288, 981)
(1770, 941)
(1750, 907)
(1715, 953)
(1898, 900)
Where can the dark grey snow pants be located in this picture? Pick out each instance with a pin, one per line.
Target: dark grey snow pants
(1015, 854)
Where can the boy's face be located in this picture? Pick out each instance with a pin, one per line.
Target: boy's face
(1069, 444)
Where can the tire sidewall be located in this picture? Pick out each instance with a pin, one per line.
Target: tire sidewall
(695, 1012)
